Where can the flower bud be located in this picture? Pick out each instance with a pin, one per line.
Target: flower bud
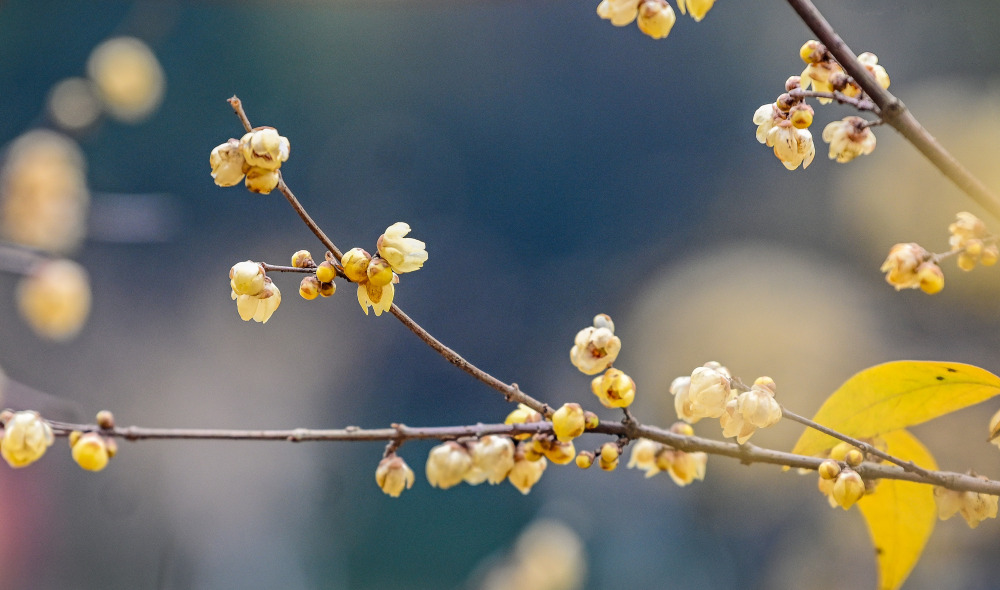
(812, 52)
(447, 465)
(584, 459)
(644, 452)
(523, 415)
(902, 263)
(568, 422)
(708, 392)
(801, 116)
(26, 437)
(931, 278)
(105, 420)
(261, 180)
(393, 475)
(848, 488)
(379, 272)
(560, 453)
(303, 259)
(656, 18)
(792, 83)
(326, 272)
(854, 457)
(309, 288)
(55, 299)
(327, 289)
(591, 421)
(829, 469)
(91, 452)
(610, 452)
(355, 262)
(525, 474)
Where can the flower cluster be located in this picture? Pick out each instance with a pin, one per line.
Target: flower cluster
(257, 156)
(709, 393)
(910, 266)
(653, 457)
(490, 459)
(974, 507)
(654, 17)
(972, 241)
(256, 296)
(595, 348)
(784, 124)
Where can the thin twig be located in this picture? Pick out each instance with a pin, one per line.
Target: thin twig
(510, 391)
(862, 104)
(894, 112)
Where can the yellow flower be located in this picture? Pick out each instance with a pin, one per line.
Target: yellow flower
(492, 459)
(751, 410)
(393, 475)
(791, 145)
(568, 422)
(227, 163)
(765, 118)
(403, 254)
(447, 465)
(973, 506)
(55, 299)
(378, 298)
(848, 488)
(818, 75)
(709, 391)
(261, 180)
(682, 467)
(698, 8)
(523, 415)
(263, 148)
(128, 76)
(619, 12)
(849, 138)
(644, 452)
(26, 437)
(261, 306)
(525, 473)
(246, 278)
(595, 348)
(870, 61)
(614, 389)
(90, 451)
(656, 18)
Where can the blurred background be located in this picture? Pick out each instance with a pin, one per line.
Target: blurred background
(557, 167)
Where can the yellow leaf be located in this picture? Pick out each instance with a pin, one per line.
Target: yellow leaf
(900, 514)
(895, 395)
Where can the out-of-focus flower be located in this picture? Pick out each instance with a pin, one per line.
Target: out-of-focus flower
(610, 454)
(656, 18)
(818, 76)
(595, 348)
(909, 266)
(791, 145)
(43, 192)
(849, 138)
(870, 61)
(969, 234)
(697, 8)
(90, 451)
(26, 437)
(995, 429)
(393, 475)
(375, 297)
(619, 12)
(522, 415)
(403, 254)
(848, 488)
(708, 391)
(55, 299)
(525, 473)
(492, 459)
(447, 465)
(227, 163)
(973, 506)
(128, 77)
(644, 452)
(751, 410)
(73, 104)
(682, 467)
(548, 556)
(264, 148)
(614, 389)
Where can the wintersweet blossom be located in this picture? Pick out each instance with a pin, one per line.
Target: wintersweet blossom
(870, 61)
(614, 389)
(849, 138)
(525, 473)
(569, 422)
(393, 475)
(791, 145)
(818, 76)
(848, 488)
(683, 467)
(246, 278)
(751, 410)
(709, 391)
(492, 459)
(766, 117)
(595, 348)
(656, 18)
(974, 507)
(375, 297)
(697, 8)
(55, 299)
(261, 306)
(619, 12)
(26, 437)
(264, 148)
(970, 237)
(227, 163)
(447, 465)
(90, 451)
(910, 266)
(644, 452)
(403, 254)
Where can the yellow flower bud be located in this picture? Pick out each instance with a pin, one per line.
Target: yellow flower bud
(656, 18)
(393, 475)
(105, 420)
(309, 288)
(812, 52)
(379, 272)
(55, 299)
(931, 278)
(26, 437)
(854, 457)
(261, 180)
(355, 262)
(91, 452)
(246, 278)
(829, 469)
(327, 289)
(584, 459)
(568, 422)
(303, 259)
(326, 272)
(839, 452)
(610, 452)
(848, 488)
(591, 421)
(523, 415)
(492, 459)
(447, 465)
(560, 453)
(614, 389)
(801, 116)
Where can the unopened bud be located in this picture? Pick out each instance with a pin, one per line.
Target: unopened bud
(854, 457)
(327, 289)
(105, 420)
(326, 272)
(303, 259)
(584, 459)
(309, 288)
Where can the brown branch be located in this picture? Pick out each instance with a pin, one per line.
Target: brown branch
(862, 104)
(894, 112)
(510, 391)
